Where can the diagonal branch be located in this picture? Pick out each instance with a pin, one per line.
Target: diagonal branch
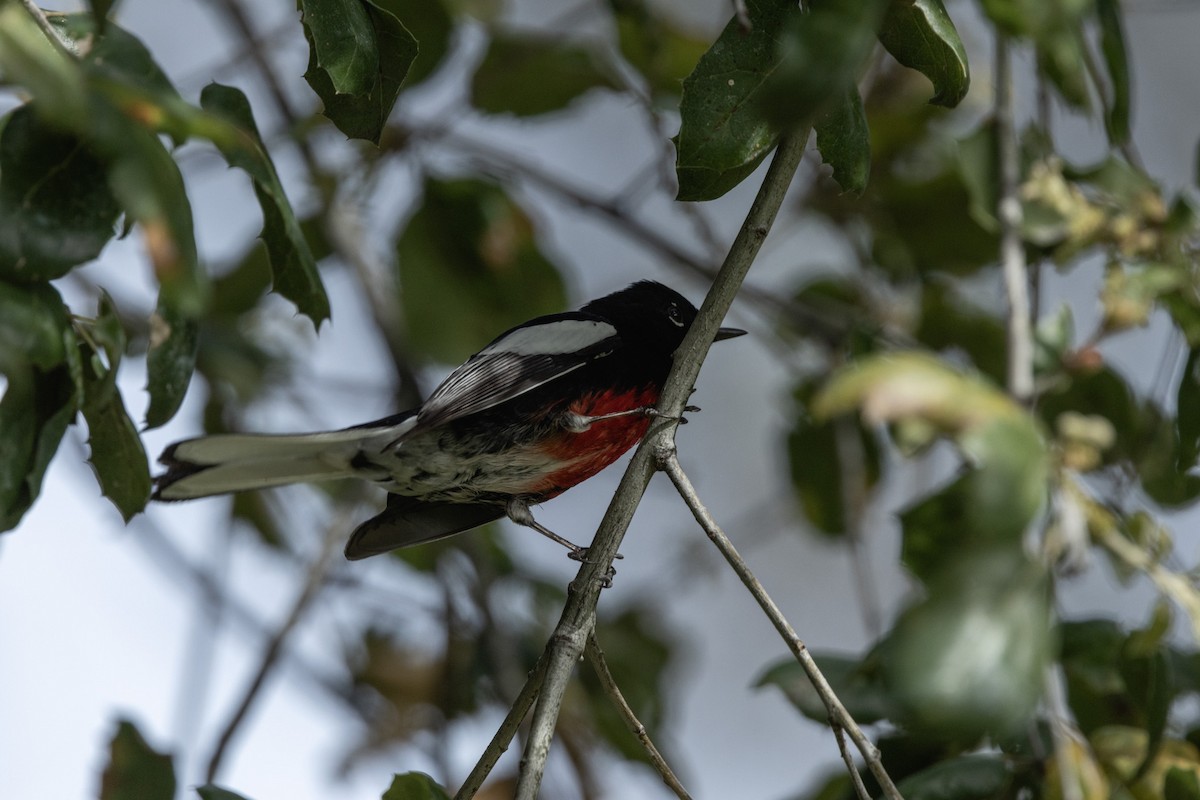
(840, 719)
(595, 657)
(578, 616)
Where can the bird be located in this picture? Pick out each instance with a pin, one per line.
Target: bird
(543, 407)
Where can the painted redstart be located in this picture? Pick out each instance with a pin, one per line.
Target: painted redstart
(545, 406)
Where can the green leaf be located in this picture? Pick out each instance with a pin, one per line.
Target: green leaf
(1116, 61)
(1165, 474)
(28, 59)
(38, 359)
(845, 141)
(57, 208)
(974, 777)
(100, 11)
(135, 771)
(819, 471)
(415, 786)
(470, 267)
(1187, 407)
(33, 326)
(527, 75)
(1181, 784)
(117, 55)
(723, 135)
(170, 361)
(342, 42)
(1056, 30)
(362, 113)
(293, 267)
(35, 410)
(117, 454)
(431, 25)
(210, 792)
(821, 56)
(968, 660)
(856, 682)
(920, 35)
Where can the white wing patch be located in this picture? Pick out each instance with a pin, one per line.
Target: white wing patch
(520, 360)
(560, 337)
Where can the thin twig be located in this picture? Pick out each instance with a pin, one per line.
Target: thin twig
(578, 616)
(860, 788)
(837, 712)
(1012, 250)
(507, 730)
(313, 583)
(595, 657)
(43, 22)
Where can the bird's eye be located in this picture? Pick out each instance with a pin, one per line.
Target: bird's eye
(674, 315)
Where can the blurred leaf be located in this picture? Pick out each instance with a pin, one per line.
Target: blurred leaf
(38, 359)
(1116, 61)
(210, 792)
(659, 48)
(27, 58)
(341, 43)
(1181, 784)
(57, 208)
(170, 361)
(1123, 750)
(361, 101)
(527, 75)
(116, 54)
(100, 10)
(1151, 688)
(950, 322)
(1187, 407)
(1101, 393)
(920, 35)
(431, 24)
(34, 327)
(819, 470)
(292, 264)
(135, 771)
(968, 660)
(856, 682)
(973, 777)
(845, 142)
(117, 454)
(722, 133)
(821, 55)
(470, 267)
(415, 786)
(1165, 474)
(1056, 31)
(1090, 655)
(638, 653)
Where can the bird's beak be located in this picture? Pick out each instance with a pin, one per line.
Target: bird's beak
(728, 333)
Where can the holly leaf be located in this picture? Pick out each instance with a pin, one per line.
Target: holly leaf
(135, 771)
(921, 36)
(359, 55)
(293, 268)
(845, 141)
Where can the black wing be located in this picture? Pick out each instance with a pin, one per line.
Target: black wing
(520, 360)
(410, 520)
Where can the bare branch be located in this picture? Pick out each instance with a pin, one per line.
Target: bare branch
(837, 712)
(860, 789)
(313, 584)
(504, 734)
(595, 657)
(1012, 249)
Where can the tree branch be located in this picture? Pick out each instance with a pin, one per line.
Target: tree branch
(1012, 249)
(578, 616)
(504, 734)
(839, 717)
(314, 582)
(595, 657)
